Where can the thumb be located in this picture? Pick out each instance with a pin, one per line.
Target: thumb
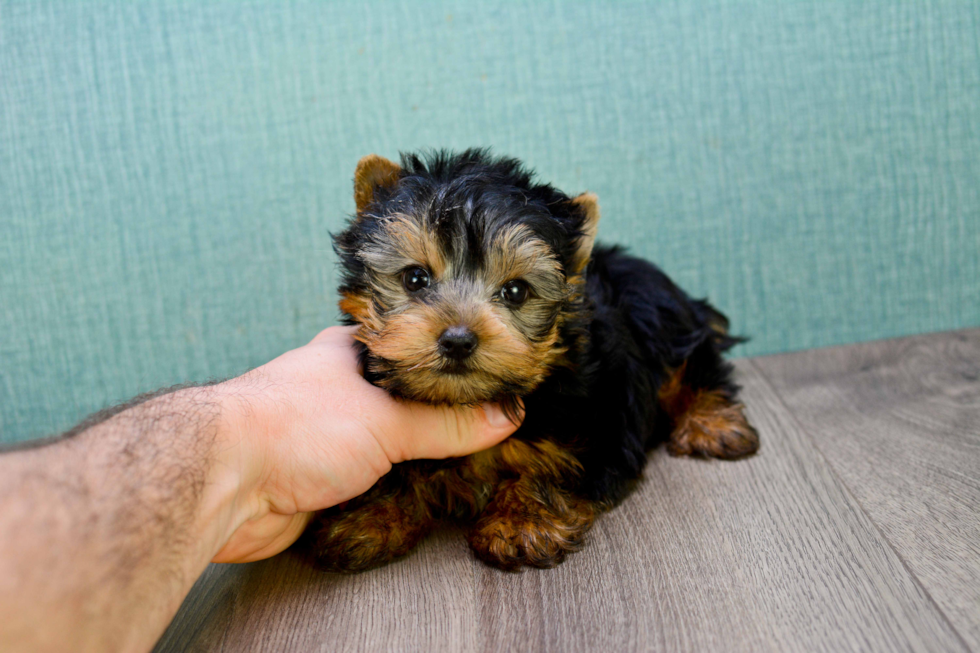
(445, 432)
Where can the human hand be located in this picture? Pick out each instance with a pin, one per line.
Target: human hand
(306, 431)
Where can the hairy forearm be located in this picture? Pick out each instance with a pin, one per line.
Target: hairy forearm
(103, 532)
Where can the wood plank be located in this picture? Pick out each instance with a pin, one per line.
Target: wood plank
(899, 421)
(765, 554)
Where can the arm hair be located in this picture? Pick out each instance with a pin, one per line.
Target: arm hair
(99, 524)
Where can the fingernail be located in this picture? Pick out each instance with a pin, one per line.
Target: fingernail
(495, 416)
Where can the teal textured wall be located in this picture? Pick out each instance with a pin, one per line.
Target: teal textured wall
(169, 172)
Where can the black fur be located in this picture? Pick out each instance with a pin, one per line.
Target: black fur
(642, 326)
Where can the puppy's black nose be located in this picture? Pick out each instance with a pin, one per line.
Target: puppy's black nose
(457, 342)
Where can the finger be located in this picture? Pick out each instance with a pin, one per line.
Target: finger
(442, 432)
(498, 427)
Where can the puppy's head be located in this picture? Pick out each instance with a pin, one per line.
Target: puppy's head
(463, 274)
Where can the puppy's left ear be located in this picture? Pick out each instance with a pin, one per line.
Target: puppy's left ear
(587, 205)
(372, 174)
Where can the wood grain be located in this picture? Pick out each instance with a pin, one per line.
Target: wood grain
(425, 601)
(899, 421)
(773, 553)
(762, 554)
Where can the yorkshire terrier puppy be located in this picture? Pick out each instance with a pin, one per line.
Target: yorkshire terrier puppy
(473, 283)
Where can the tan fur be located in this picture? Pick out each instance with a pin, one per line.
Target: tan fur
(705, 423)
(373, 172)
(542, 459)
(516, 254)
(357, 306)
(414, 244)
(588, 204)
(672, 395)
(521, 527)
(371, 531)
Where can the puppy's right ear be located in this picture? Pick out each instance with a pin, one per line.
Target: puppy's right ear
(373, 172)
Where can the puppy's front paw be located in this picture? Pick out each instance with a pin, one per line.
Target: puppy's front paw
(519, 529)
(368, 536)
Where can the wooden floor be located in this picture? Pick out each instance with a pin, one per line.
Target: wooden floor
(857, 527)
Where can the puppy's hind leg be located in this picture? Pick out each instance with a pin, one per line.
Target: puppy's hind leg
(706, 419)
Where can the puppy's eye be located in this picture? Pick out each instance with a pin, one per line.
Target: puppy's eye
(415, 279)
(514, 292)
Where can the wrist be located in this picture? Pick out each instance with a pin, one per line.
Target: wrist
(230, 497)
(253, 518)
